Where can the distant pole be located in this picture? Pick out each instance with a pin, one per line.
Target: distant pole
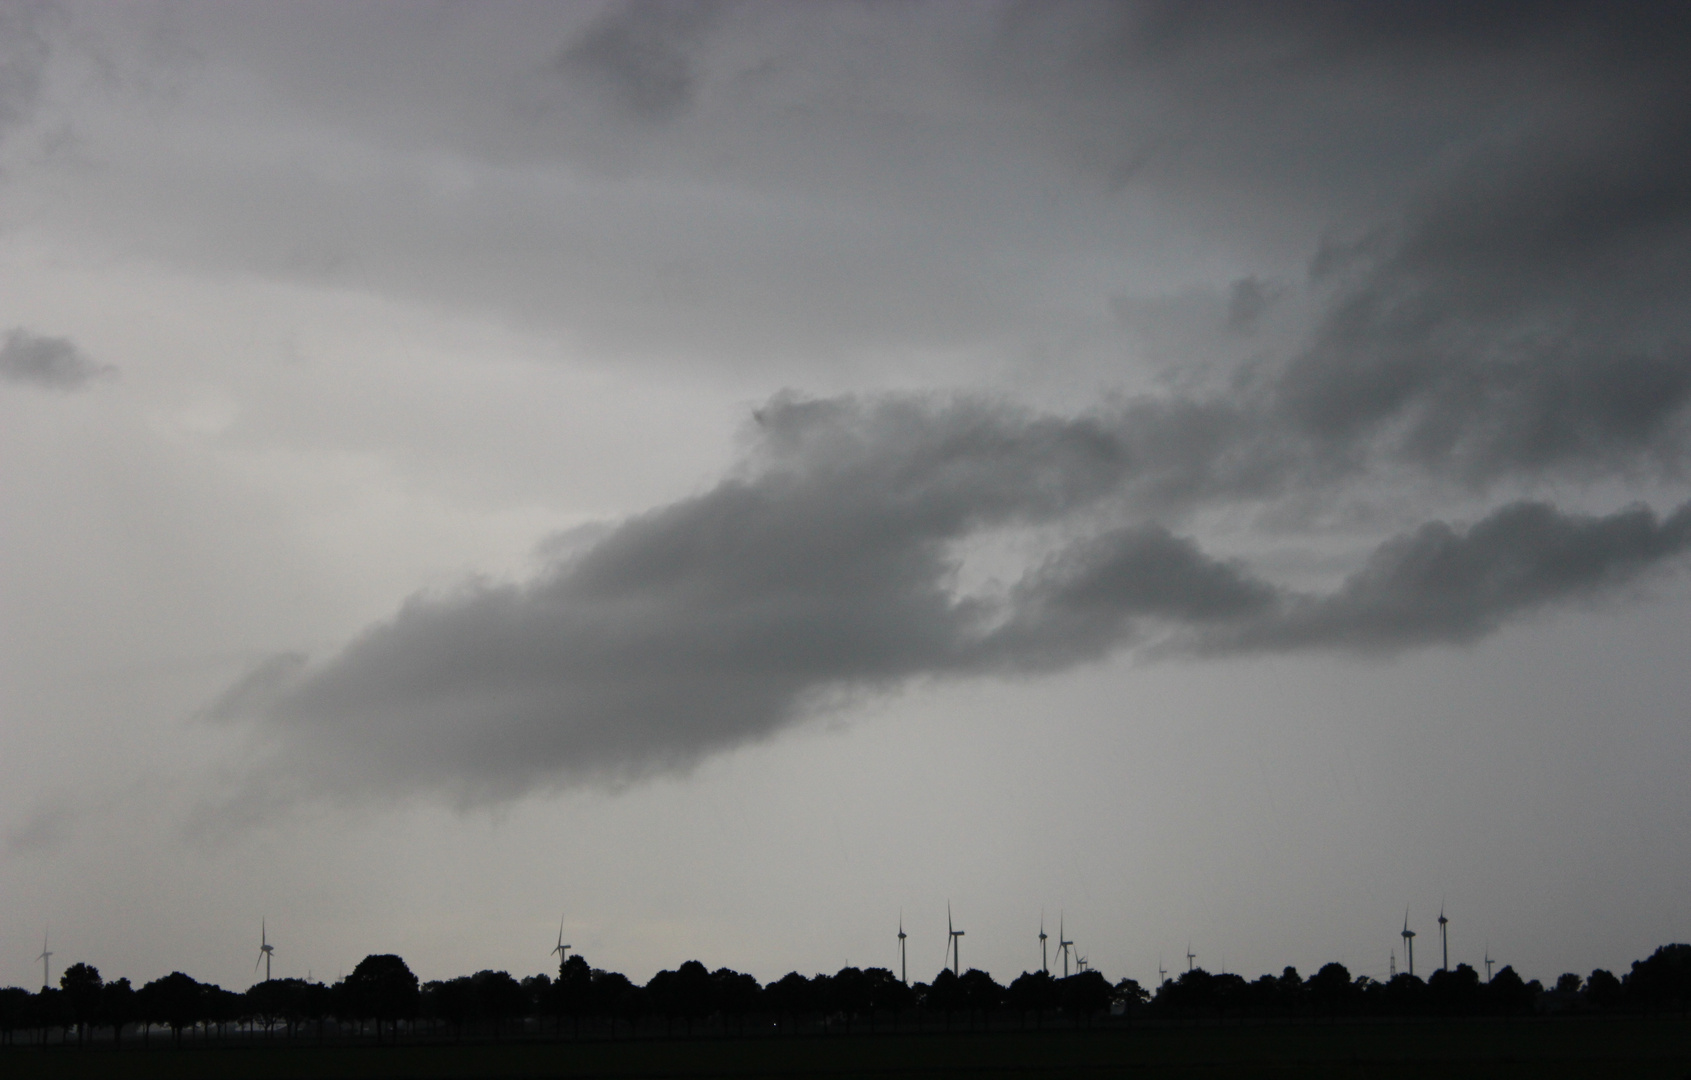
(561, 950)
(1408, 941)
(903, 966)
(1444, 940)
(955, 945)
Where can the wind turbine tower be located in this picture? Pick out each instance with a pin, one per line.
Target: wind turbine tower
(46, 955)
(1408, 941)
(265, 949)
(1064, 945)
(1190, 956)
(903, 966)
(561, 950)
(1488, 962)
(953, 946)
(1444, 940)
(1162, 972)
(1044, 965)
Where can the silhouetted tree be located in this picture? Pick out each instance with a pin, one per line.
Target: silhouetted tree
(17, 1011)
(537, 995)
(450, 1001)
(572, 994)
(1272, 995)
(981, 994)
(1506, 995)
(888, 994)
(1031, 992)
(381, 988)
(1084, 995)
(614, 998)
(695, 992)
(1457, 992)
(1405, 995)
(221, 1007)
(265, 1002)
(788, 997)
(52, 1011)
(1187, 994)
(945, 995)
(496, 998)
(1130, 996)
(848, 994)
(1663, 981)
(117, 1007)
(1332, 993)
(735, 994)
(81, 984)
(1603, 991)
(315, 1000)
(663, 996)
(176, 1001)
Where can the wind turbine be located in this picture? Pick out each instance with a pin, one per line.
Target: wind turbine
(1444, 941)
(1064, 945)
(46, 954)
(1044, 966)
(561, 950)
(264, 949)
(1488, 962)
(953, 945)
(1408, 941)
(903, 967)
(1190, 956)
(1162, 972)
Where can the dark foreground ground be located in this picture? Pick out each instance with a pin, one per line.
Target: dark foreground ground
(1497, 1050)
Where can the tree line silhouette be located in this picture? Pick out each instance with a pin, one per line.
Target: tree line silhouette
(383, 1000)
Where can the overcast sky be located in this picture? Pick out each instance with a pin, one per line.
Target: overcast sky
(732, 474)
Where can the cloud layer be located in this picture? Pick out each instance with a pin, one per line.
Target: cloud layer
(51, 362)
(829, 566)
(1431, 257)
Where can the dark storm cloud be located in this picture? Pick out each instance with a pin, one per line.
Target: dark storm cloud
(828, 565)
(1441, 585)
(1530, 315)
(1474, 229)
(710, 622)
(24, 51)
(641, 55)
(52, 362)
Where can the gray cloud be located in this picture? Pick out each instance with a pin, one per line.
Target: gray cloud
(24, 51)
(641, 55)
(713, 621)
(828, 564)
(48, 830)
(1529, 315)
(52, 362)
(1441, 585)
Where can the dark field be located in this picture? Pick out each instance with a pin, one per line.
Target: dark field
(1485, 1048)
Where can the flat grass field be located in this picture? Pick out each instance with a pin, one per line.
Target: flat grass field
(1632, 1047)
